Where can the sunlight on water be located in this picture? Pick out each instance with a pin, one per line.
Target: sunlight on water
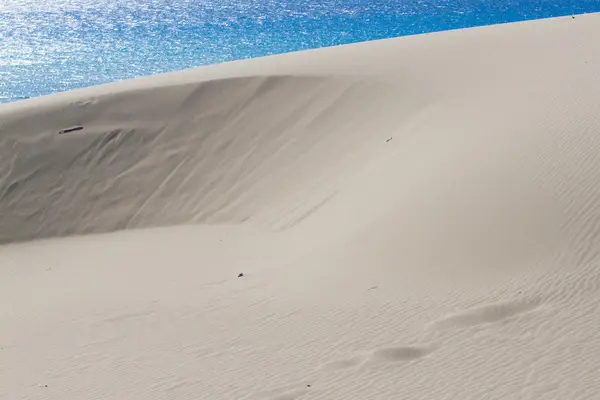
(50, 46)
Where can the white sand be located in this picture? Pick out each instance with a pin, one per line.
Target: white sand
(458, 260)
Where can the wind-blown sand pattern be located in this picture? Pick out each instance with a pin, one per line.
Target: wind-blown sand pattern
(412, 218)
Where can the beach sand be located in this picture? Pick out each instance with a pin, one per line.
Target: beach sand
(413, 218)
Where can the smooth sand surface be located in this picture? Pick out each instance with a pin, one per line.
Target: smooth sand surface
(415, 218)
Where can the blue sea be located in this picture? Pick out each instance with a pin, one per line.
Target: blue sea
(49, 46)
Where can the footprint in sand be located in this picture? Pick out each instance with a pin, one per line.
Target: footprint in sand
(400, 354)
(488, 314)
(386, 355)
(291, 392)
(346, 363)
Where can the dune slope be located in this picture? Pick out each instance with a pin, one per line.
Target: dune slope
(413, 218)
(214, 152)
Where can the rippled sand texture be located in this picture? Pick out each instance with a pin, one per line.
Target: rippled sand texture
(413, 218)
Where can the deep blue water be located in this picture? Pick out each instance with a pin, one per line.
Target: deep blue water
(49, 46)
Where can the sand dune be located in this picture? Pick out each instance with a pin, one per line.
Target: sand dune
(214, 152)
(414, 218)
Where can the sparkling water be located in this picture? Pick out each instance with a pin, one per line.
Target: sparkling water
(49, 46)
